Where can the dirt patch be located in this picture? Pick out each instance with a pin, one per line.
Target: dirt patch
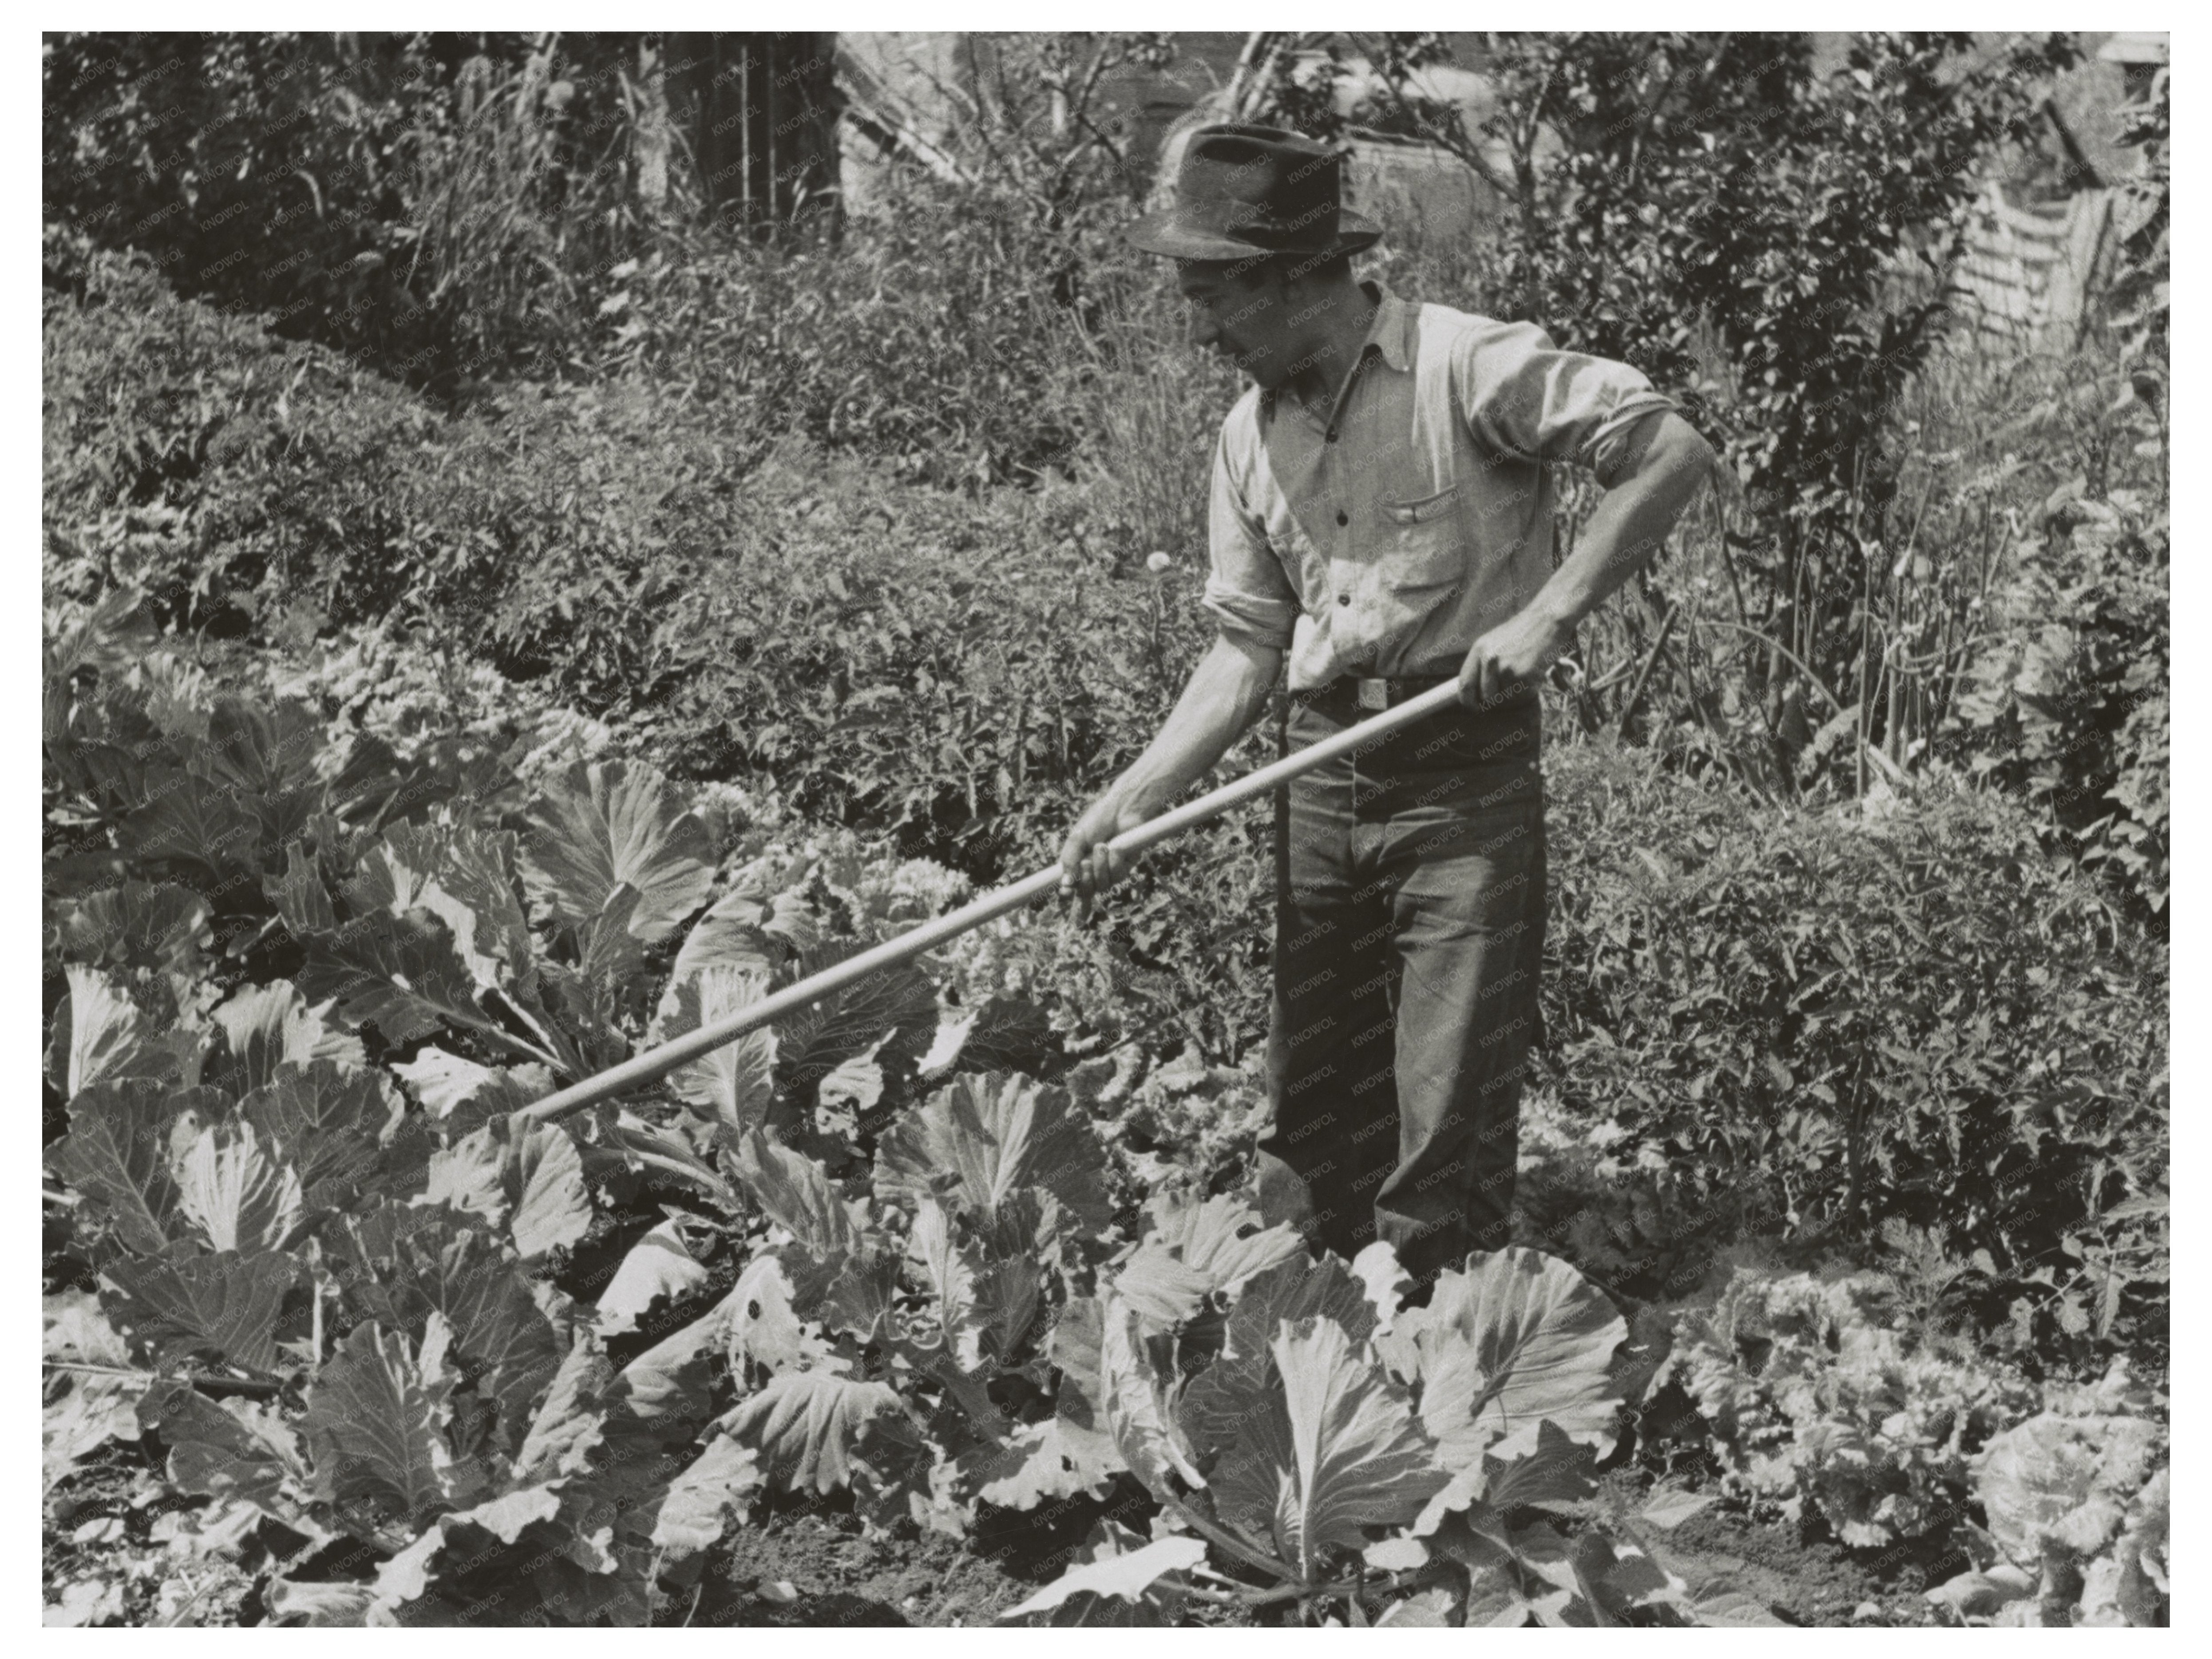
(1804, 1576)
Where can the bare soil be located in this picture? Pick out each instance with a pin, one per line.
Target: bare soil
(1803, 1576)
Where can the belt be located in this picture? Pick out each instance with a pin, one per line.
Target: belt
(1355, 696)
(1371, 693)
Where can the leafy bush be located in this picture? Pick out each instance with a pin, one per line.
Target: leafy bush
(453, 209)
(1796, 306)
(1707, 208)
(456, 207)
(596, 528)
(253, 168)
(196, 456)
(238, 478)
(1815, 1018)
(976, 302)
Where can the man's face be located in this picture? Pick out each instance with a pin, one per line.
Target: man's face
(1241, 323)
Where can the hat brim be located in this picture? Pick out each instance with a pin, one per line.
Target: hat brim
(1167, 233)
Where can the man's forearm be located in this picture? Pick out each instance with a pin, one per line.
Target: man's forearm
(1628, 527)
(1226, 692)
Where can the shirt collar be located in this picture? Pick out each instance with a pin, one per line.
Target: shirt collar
(1396, 328)
(1393, 332)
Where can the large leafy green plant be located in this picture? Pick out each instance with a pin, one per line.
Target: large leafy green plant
(1814, 1398)
(2077, 1498)
(284, 1192)
(1296, 1422)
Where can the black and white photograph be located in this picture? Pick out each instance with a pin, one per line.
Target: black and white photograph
(1218, 831)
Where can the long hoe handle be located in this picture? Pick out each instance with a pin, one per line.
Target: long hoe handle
(656, 1063)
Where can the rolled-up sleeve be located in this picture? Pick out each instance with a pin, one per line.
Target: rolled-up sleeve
(1524, 397)
(1247, 591)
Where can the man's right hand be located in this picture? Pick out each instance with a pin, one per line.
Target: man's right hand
(1088, 866)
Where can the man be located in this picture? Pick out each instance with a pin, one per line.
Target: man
(1381, 511)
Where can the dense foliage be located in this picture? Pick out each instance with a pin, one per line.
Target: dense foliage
(868, 647)
(450, 209)
(340, 1271)
(2066, 703)
(893, 679)
(1768, 242)
(1813, 1019)
(430, 204)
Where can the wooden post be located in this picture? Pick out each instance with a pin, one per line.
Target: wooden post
(653, 125)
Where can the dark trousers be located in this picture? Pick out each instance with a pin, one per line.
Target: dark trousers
(1408, 944)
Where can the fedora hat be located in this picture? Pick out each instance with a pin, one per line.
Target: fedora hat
(1245, 190)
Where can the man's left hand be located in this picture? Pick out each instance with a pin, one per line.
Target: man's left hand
(1513, 652)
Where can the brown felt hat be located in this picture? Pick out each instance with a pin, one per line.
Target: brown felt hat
(1246, 190)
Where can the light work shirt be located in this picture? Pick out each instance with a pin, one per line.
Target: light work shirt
(1386, 535)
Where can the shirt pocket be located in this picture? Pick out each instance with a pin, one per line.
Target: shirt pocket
(1426, 548)
(1427, 509)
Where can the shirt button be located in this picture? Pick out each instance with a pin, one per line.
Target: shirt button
(1340, 517)
(1329, 437)
(1344, 599)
